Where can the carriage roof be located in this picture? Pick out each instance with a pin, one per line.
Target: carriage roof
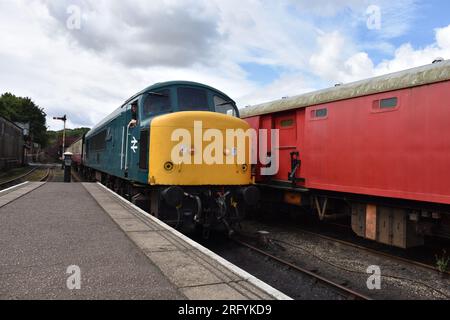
(424, 75)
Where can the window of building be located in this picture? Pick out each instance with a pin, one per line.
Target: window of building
(192, 99)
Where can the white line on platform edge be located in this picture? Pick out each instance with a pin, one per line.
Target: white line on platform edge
(243, 274)
(16, 186)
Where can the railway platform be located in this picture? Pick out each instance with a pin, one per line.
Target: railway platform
(54, 235)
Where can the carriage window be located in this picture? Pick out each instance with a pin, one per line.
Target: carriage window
(157, 102)
(319, 113)
(287, 123)
(192, 99)
(224, 106)
(388, 103)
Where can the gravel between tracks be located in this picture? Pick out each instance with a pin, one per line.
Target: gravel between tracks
(349, 265)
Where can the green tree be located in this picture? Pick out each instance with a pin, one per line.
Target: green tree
(18, 109)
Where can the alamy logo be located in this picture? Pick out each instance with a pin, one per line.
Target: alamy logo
(74, 280)
(374, 281)
(74, 20)
(373, 13)
(231, 146)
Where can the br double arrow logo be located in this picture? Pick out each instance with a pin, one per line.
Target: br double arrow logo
(134, 143)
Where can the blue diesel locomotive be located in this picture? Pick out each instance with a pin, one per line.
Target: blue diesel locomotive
(131, 152)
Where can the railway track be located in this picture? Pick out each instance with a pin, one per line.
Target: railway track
(338, 287)
(16, 180)
(342, 290)
(372, 251)
(48, 177)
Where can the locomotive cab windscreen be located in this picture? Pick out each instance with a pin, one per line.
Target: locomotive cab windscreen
(166, 101)
(224, 106)
(192, 99)
(157, 102)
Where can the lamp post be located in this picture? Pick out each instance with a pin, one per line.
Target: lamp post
(64, 119)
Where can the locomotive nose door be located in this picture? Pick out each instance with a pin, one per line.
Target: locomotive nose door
(130, 141)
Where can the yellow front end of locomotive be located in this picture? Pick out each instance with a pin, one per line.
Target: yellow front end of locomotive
(199, 148)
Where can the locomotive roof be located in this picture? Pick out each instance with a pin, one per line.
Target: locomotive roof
(153, 87)
(160, 85)
(428, 74)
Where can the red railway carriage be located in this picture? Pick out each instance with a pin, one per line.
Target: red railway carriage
(76, 148)
(378, 150)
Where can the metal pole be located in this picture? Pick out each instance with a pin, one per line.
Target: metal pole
(64, 138)
(64, 119)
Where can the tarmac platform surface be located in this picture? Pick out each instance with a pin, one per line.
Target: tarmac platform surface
(122, 253)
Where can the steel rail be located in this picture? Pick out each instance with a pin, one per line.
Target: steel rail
(48, 176)
(345, 291)
(19, 178)
(374, 251)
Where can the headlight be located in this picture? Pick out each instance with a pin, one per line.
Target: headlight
(168, 166)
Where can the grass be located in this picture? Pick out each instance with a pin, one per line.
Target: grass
(13, 173)
(37, 175)
(442, 262)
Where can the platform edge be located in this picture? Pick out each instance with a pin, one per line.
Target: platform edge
(278, 295)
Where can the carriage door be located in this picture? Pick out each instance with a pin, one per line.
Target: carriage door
(130, 142)
(289, 153)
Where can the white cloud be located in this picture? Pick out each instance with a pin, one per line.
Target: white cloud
(443, 38)
(287, 85)
(142, 33)
(407, 57)
(39, 60)
(328, 8)
(338, 59)
(123, 47)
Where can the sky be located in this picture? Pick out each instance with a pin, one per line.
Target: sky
(84, 58)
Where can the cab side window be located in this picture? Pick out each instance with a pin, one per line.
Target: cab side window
(134, 114)
(134, 110)
(157, 102)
